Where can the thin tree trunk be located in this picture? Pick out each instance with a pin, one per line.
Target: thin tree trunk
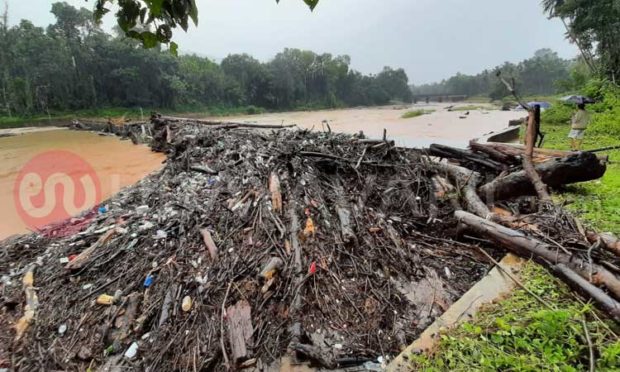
(528, 166)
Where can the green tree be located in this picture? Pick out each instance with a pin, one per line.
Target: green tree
(137, 17)
(593, 26)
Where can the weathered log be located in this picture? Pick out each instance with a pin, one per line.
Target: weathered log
(468, 180)
(578, 167)
(493, 153)
(448, 152)
(579, 284)
(209, 243)
(295, 328)
(84, 257)
(608, 241)
(540, 155)
(526, 246)
(240, 331)
(346, 230)
(276, 193)
(32, 304)
(441, 186)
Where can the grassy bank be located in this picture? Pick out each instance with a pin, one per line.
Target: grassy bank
(521, 334)
(416, 113)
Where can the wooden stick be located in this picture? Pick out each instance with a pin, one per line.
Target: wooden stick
(590, 347)
(528, 165)
(222, 344)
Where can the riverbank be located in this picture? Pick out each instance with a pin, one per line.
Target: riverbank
(521, 333)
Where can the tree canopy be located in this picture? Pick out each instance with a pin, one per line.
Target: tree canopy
(73, 64)
(544, 73)
(153, 21)
(595, 27)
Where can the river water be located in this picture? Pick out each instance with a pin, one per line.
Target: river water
(115, 164)
(453, 128)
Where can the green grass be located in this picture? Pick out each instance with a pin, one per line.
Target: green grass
(416, 113)
(520, 334)
(597, 202)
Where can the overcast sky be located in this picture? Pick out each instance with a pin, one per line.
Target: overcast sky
(430, 39)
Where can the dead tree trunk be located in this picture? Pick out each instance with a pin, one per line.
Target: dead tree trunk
(526, 246)
(528, 165)
(467, 180)
(579, 167)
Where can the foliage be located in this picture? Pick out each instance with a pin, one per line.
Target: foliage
(74, 65)
(135, 18)
(416, 113)
(592, 25)
(598, 201)
(534, 76)
(520, 334)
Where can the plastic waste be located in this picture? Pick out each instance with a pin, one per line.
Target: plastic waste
(148, 281)
(105, 299)
(62, 329)
(132, 351)
(102, 209)
(142, 209)
(312, 269)
(187, 303)
(161, 234)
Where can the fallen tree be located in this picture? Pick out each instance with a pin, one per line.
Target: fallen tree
(579, 167)
(527, 246)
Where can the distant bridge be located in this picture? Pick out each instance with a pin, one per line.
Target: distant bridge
(439, 98)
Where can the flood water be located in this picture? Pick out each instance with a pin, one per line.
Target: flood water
(453, 128)
(116, 164)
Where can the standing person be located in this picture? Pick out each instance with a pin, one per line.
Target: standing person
(579, 123)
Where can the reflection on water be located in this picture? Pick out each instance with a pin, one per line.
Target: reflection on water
(116, 163)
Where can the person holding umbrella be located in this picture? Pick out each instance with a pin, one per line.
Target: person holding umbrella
(579, 123)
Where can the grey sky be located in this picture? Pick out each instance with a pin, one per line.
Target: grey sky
(430, 39)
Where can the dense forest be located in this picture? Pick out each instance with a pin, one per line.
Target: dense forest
(74, 64)
(543, 74)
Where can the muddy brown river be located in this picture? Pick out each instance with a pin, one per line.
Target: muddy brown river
(115, 164)
(40, 167)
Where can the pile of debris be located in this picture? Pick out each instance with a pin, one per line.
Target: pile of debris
(255, 244)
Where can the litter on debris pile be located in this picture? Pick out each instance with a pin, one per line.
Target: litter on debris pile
(248, 246)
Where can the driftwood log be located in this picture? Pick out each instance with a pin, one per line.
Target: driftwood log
(513, 152)
(527, 246)
(467, 180)
(482, 159)
(579, 167)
